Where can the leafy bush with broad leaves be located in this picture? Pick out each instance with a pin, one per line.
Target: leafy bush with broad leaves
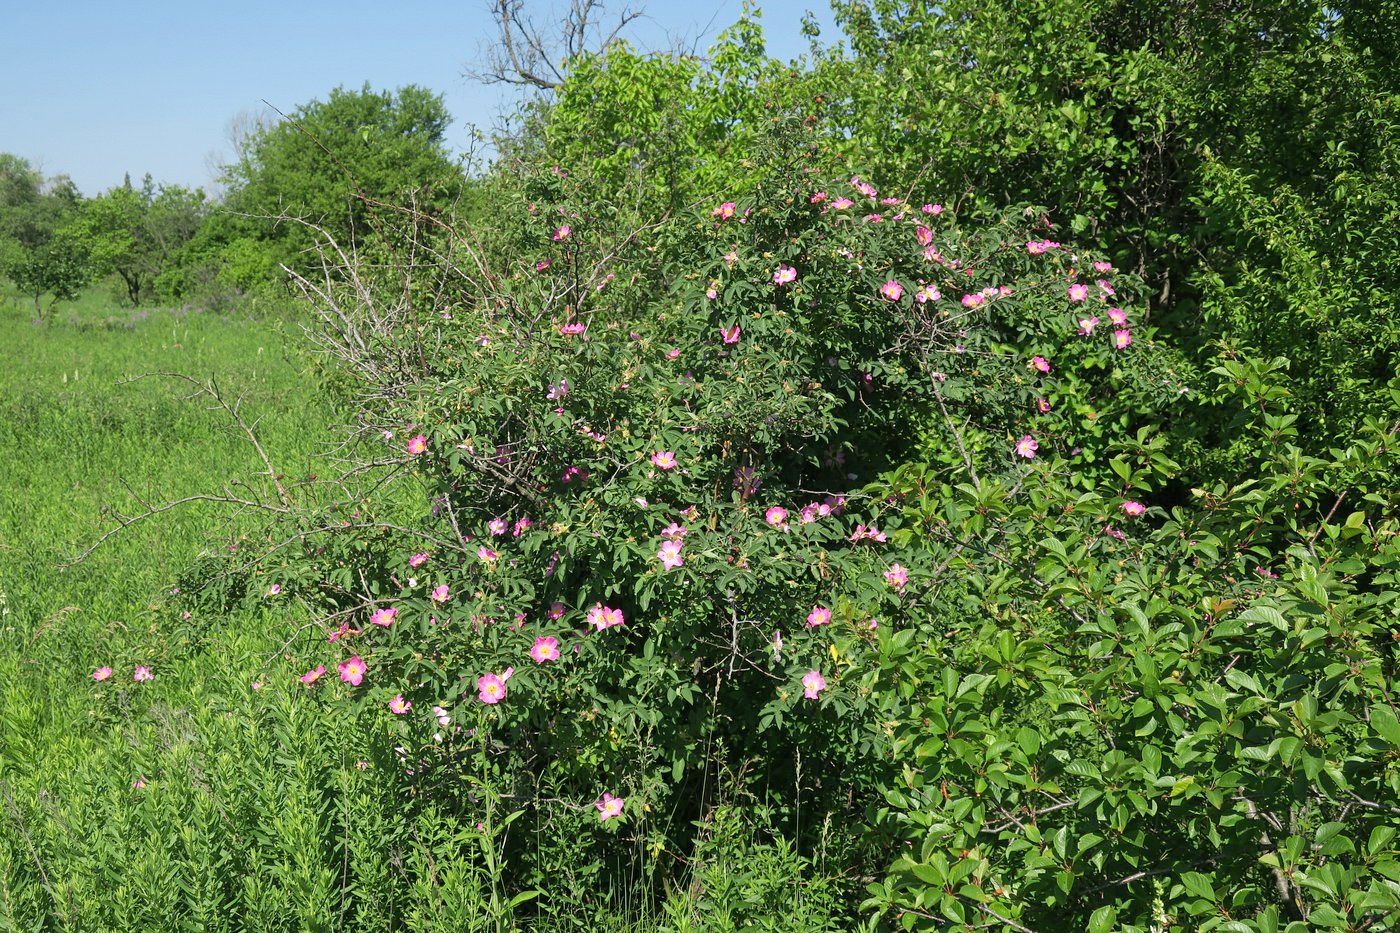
(1183, 717)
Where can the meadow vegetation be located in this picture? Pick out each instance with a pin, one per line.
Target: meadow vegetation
(944, 482)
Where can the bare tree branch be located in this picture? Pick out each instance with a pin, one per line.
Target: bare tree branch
(528, 55)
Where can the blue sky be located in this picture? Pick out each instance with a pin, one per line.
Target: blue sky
(97, 89)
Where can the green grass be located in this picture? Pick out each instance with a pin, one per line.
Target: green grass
(77, 849)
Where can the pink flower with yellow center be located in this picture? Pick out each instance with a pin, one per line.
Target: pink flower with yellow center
(399, 706)
(440, 593)
(313, 675)
(664, 460)
(923, 234)
(784, 275)
(573, 328)
(490, 689)
(934, 209)
(352, 670)
(842, 203)
(603, 617)
(897, 576)
(820, 615)
(1042, 405)
(102, 673)
(497, 526)
(776, 516)
(1133, 509)
(725, 211)
(1026, 447)
(730, 335)
(813, 683)
(418, 560)
(545, 648)
(1040, 364)
(1078, 292)
(416, 445)
(1118, 317)
(1122, 338)
(1087, 325)
(563, 233)
(864, 187)
(609, 807)
(927, 293)
(670, 555)
(142, 674)
(973, 300)
(486, 555)
(892, 290)
(384, 616)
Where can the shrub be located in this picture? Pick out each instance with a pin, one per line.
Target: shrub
(651, 554)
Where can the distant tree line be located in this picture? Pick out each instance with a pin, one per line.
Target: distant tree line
(326, 170)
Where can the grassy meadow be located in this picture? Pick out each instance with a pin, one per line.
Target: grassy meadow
(79, 439)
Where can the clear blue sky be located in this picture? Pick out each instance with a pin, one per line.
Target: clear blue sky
(95, 88)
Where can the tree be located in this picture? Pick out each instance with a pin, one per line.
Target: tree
(41, 252)
(338, 163)
(136, 233)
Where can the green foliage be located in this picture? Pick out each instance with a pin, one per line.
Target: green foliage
(726, 544)
(1240, 158)
(139, 234)
(42, 253)
(345, 164)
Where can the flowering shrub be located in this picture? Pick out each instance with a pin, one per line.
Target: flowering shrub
(825, 496)
(650, 547)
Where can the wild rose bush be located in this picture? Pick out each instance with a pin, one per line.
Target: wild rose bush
(650, 552)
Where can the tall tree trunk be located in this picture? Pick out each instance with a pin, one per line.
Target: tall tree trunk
(133, 288)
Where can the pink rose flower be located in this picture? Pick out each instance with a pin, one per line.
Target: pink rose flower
(352, 670)
(490, 689)
(545, 648)
(609, 807)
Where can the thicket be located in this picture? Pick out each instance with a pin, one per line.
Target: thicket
(956, 471)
